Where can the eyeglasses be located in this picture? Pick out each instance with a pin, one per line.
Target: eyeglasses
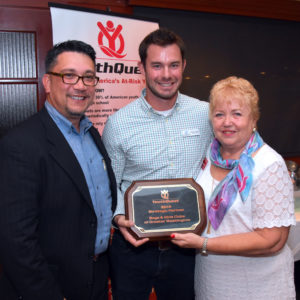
(70, 78)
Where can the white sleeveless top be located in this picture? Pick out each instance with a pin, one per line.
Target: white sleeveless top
(270, 204)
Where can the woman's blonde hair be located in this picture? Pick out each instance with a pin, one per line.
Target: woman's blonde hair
(238, 88)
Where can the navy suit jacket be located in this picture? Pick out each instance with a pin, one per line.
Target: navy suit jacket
(47, 219)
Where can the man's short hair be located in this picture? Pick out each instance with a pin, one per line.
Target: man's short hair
(160, 37)
(72, 46)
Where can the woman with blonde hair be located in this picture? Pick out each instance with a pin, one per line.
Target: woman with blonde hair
(242, 253)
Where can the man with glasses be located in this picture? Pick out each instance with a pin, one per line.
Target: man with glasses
(58, 190)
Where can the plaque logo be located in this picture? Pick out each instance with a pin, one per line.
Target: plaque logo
(164, 194)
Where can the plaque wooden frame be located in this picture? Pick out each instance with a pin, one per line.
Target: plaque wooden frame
(157, 209)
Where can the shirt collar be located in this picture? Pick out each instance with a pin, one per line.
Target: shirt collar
(63, 122)
(147, 107)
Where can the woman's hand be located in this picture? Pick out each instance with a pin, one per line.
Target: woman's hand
(187, 240)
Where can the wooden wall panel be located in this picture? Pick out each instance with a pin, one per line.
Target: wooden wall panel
(116, 6)
(276, 9)
(37, 21)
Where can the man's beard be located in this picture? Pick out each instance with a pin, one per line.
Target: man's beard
(162, 96)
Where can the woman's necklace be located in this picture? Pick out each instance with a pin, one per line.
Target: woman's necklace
(213, 185)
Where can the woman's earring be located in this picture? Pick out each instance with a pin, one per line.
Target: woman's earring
(254, 129)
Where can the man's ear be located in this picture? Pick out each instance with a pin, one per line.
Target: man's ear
(141, 67)
(183, 65)
(46, 83)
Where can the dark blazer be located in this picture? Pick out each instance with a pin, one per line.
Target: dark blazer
(47, 220)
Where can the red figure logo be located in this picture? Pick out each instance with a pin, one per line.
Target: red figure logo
(112, 34)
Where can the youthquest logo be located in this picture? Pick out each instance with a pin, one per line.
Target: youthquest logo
(113, 38)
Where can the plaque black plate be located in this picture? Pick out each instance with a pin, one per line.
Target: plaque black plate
(160, 207)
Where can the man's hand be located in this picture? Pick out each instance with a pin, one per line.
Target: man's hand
(123, 225)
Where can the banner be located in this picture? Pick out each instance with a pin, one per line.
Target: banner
(115, 39)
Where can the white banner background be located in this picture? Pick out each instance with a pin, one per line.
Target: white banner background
(120, 79)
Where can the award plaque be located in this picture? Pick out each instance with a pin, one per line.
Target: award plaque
(160, 207)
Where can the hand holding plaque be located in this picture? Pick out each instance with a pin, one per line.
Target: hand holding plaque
(160, 207)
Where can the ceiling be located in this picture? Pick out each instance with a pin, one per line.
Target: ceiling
(275, 9)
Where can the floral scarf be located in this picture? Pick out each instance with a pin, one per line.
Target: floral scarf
(238, 180)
